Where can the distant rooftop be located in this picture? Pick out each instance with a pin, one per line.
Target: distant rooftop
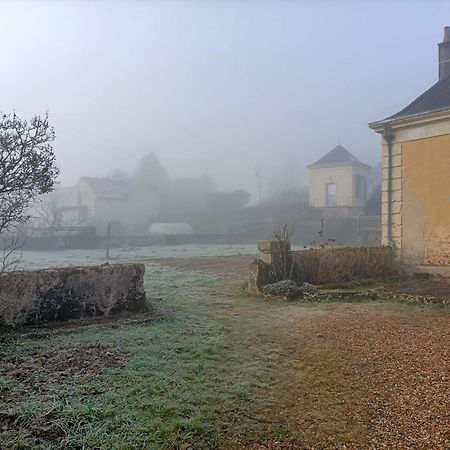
(339, 156)
(105, 188)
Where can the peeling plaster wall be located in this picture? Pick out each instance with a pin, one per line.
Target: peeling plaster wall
(426, 205)
(420, 192)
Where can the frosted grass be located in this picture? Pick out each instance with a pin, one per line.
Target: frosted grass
(67, 258)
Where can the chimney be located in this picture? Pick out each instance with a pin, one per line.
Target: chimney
(444, 55)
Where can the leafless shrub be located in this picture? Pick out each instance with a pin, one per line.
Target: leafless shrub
(9, 258)
(330, 265)
(283, 264)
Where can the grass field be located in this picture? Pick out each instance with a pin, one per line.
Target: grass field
(185, 378)
(220, 369)
(59, 258)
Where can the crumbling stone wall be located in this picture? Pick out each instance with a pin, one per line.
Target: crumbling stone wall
(39, 296)
(260, 274)
(320, 266)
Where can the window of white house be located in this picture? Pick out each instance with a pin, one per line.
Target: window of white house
(330, 190)
(360, 187)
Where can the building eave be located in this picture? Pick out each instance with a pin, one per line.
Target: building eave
(417, 119)
(343, 164)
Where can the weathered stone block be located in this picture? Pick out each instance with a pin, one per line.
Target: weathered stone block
(259, 275)
(39, 296)
(396, 172)
(396, 196)
(268, 246)
(268, 249)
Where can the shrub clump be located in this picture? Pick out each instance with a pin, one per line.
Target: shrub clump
(285, 289)
(331, 265)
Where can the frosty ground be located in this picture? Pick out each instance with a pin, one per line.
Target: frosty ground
(216, 368)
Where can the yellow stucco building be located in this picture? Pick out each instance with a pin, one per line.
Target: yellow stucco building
(338, 179)
(416, 175)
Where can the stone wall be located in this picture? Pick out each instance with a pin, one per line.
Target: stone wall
(259, 274)
(320, 266)
(39, 296)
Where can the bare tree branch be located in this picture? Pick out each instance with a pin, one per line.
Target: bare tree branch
(9, 257)
(27, 170)
(27, 166)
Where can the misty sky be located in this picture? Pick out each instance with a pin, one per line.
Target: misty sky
(215, 87)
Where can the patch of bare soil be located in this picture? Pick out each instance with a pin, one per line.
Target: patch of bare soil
(439, 289)
(44, 370)
(365, 379)
(41, 429)
(76, 325)
(36, 372)
(223, 265)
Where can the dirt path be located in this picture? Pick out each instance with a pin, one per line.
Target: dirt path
(365, 377)
(427, 288)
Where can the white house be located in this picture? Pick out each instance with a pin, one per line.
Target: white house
(97, 201)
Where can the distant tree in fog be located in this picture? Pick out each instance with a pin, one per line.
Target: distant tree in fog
(189, 195)
(151, 171)
(50, 212)
(295, 195)
(288, 187)
(291, 174)
(373, 205)
(27, 166)
(118, 175)
(227, 201)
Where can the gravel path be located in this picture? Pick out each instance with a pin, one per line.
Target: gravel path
(377, 379)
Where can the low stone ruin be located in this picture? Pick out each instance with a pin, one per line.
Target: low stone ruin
(36, 297)
(320, 266)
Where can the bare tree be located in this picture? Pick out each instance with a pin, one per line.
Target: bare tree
(151, 171)
(50, 215)
(118, 175)
(50, 212)
(9, 258)
(27, 168)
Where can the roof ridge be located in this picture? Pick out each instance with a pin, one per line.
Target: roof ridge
(417, 100)
(337, 155)
(435, 99)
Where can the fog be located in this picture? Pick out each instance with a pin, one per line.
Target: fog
(215, 88)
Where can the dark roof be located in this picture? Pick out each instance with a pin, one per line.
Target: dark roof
(339, 156)
(437, 98)
(105, 188)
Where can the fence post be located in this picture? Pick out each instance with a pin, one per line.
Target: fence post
(108, 238)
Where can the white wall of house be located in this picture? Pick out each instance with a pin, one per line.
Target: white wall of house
(140, 207)
(82, 196)
(344, 180)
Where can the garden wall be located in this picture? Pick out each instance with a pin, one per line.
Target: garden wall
(39, 296)
(319, 266)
